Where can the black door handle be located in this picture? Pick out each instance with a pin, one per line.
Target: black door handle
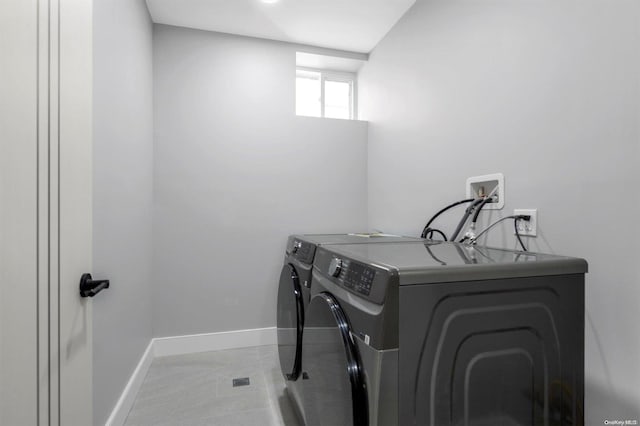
(90, 287)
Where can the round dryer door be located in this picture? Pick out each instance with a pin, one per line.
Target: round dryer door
(290, 322)
(333, 385)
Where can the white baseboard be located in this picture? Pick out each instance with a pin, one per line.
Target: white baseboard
(179, 345)
(128, 397)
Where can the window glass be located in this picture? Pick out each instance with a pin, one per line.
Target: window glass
(323, 93)
(337, 99)
(308, 93)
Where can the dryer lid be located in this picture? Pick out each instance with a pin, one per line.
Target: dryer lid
(354, 238)
(435, 262)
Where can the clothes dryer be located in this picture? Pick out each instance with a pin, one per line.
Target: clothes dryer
(443, 334)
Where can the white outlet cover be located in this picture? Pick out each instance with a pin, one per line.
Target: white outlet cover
(495, 177)
(527, 228)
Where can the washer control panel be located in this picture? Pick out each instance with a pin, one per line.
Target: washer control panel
(353, 275)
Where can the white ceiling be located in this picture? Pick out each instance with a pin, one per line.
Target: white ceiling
(351, 25)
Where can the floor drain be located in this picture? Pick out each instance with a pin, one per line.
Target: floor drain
(243, 381)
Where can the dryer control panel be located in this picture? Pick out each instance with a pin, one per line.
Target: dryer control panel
(301, 250)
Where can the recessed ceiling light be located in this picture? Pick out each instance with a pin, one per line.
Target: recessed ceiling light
(269, 1)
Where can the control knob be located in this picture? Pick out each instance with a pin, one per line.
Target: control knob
(335, 267)
(296, 246)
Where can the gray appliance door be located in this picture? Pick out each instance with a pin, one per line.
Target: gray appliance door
(333, 385)
(290, 322)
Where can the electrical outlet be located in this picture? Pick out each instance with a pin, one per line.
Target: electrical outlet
(527, 228)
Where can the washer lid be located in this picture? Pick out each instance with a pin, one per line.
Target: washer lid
(436, 262)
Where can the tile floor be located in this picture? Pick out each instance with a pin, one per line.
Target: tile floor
(197, 390)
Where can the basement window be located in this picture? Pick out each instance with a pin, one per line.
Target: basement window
(322, 93)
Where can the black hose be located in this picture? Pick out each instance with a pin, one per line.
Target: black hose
(484, 201)
(465, 217)
(515, 225)
(450, 206)
(430, 232)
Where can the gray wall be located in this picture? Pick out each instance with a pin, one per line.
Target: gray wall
(548, 93)
(122, 207)
(235, 171)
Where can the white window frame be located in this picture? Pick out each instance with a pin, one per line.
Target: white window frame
(340, 76)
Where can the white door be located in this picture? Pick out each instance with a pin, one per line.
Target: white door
(45, 211)
(19, 372)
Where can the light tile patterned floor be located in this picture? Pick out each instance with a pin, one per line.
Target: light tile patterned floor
(197, 390)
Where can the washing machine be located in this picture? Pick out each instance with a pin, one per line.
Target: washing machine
(443, 334)
(293, 297)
